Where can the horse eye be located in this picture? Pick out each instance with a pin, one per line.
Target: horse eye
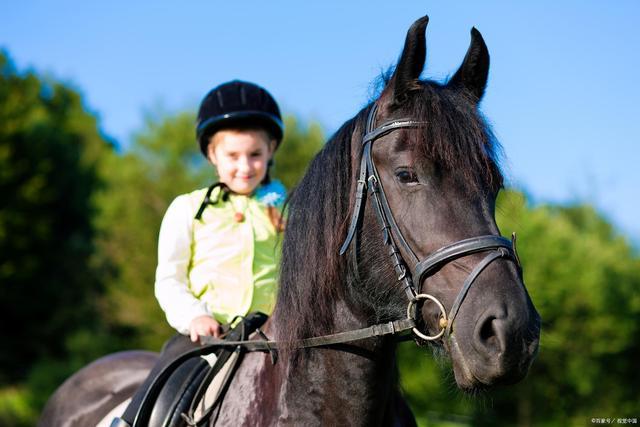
(406, 176)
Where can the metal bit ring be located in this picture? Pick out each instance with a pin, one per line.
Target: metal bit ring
(443, 320)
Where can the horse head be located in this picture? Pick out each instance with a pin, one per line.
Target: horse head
(431, 167)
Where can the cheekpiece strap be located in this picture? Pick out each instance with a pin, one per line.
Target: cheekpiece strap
(372, 133)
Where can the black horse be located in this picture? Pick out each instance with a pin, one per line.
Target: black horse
(429, 163)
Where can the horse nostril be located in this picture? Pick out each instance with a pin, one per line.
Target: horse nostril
(489, 335)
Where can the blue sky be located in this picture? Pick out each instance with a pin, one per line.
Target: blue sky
(562, 95)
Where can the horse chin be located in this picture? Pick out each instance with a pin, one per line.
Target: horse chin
(465, 379)
(471, 380)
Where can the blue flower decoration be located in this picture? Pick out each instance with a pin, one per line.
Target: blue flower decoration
(272, 194)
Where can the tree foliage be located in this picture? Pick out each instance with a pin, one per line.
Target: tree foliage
(50, 152)
(299, 146)
(162, 162)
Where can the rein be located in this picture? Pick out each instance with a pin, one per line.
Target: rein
(389, 328)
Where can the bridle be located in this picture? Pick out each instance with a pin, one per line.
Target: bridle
(368, 178)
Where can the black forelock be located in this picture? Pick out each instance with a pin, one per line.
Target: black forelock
(456, 136)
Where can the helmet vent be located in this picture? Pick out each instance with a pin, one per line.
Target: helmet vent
(220, 100)
(243, 96)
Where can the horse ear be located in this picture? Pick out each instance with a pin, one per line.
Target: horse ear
(411, 61)
(472, 74)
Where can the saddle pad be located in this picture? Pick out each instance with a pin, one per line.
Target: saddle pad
(116, 411)
(215, 387)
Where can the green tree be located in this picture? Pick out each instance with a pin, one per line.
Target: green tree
(299, 146)
(50, 169)
(162, 162)
(50, 149)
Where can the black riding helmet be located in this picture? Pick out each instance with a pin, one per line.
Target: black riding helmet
(236, 104)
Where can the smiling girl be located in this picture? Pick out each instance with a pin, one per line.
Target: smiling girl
(218, 246)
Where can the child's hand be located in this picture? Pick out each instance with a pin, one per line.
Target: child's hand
(203, 325)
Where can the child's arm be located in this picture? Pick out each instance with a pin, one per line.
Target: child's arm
(174, 253)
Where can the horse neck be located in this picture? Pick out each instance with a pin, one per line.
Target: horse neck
(355, 383)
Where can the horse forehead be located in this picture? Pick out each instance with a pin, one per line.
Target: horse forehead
(395, 144)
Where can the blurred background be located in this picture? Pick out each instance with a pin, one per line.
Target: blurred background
(97, 109)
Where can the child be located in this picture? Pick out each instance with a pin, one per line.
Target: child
(217, 250)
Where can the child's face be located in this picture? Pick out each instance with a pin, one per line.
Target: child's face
(241, 157)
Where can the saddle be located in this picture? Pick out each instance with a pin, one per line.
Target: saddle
(190, 388)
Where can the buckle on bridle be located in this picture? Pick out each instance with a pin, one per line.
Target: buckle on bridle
(442, 323)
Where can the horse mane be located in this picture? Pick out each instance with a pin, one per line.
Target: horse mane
(313, 276)
(311, 270)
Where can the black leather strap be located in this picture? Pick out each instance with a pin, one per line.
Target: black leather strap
(385, 219)
(378, 330)
(459, 249)
(389, 126)
(357, 207)
(382, 201)
(207, 198)
(494, 255)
